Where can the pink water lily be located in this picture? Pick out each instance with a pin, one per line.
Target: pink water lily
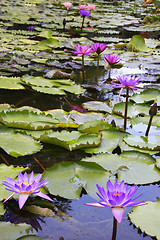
(82, 7)
(67, 5)
(98, 47)
(82, 50)
(111, 59)
(117, 197)
(91, 7)
(25, 186)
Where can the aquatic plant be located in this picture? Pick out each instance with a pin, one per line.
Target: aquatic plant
(117, 197)
(84, 13)
(91, 7)
(98, 48)
(25, 186)
(127, 82)
(82, 7)
(81, 51)
(67, 5)
(112, 61)
(152, 113)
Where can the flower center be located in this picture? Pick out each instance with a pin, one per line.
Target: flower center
(27, 184)
(115, 194)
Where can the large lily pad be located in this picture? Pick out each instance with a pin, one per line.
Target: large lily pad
(67, 178)
(147, 218)
(130, 166)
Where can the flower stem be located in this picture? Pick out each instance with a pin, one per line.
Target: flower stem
(109, 76)
(149, 125)
(114, 233)
(83, 73)
(126, 107)
(82, 23)
(97, 67)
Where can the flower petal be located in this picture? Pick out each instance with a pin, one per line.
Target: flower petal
(22, 198)
(40, 194)
(118, 213)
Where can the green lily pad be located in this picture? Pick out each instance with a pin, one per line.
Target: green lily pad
(147, 95)
(94, 126)
(16, 144)
(68, 178)
(130, 166)
(137, 43)
(147, 218)
(97, 106)
(110, 140)
(72, 140)
(149, 143)
(11, 83)
(145, 120)
(81, 118)
(11, 231)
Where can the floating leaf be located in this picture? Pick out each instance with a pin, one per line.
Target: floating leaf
(146, 96)
(147, 218)
(97, 106)
(71, 140)
(137, 43)
(11, 83)
(68, 178)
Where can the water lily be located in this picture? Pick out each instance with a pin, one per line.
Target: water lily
(84, 13)
(82, 7)
(117, 197)
(81, 51)
(91, 7)
(111, 60)
(67, 5)
(25, 186)
(98, 48)
(30, 28)
(127, 82)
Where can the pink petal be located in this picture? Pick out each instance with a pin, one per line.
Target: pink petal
(118, 213)
(22, 198)
(8, 198)
(94, 204)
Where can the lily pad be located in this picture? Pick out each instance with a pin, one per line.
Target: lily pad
(147, 218)
(68, 178)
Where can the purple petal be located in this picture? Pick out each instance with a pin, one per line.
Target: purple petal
(40, 194)
(31, 177)
(22, 198)
(118, 213)
(8, 197)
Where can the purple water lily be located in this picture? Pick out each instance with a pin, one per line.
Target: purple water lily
(30, 28)
(128, 82)
(84, 12)
(98, 48)
(25, 186)
(117, 197)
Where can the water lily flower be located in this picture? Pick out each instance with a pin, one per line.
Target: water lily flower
(84, 13)
(30, 28)
(82, 7)
(127, 82)
(67, 5)
(91, 7)
(98, 48)
(111, 60)
(117, 197)
(81, 51)
(25, 186)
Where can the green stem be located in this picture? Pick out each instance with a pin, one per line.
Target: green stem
(114, 233)
(82, 23)
(96, 78)
(149, 125)
(126, 107)
(83, 73)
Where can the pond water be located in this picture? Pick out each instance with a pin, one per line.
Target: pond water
(41, 52)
